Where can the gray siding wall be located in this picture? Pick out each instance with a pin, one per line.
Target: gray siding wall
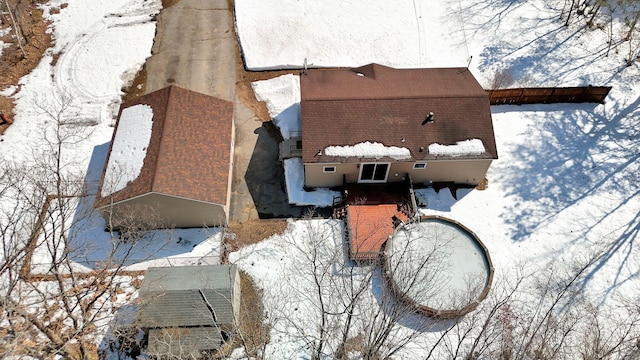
(166, 211)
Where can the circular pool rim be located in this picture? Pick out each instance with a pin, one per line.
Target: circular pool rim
(426, 310)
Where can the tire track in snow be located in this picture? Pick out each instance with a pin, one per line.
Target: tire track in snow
(94, 93)
(417, 9)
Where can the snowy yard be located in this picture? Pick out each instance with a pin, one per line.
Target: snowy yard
(563, 192)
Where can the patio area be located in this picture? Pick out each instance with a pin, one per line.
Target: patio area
(371, 213)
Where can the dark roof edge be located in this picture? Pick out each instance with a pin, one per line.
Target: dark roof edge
(170, 89)
(479, 96)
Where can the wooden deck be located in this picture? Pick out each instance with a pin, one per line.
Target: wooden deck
(370, 226)
(371, 213)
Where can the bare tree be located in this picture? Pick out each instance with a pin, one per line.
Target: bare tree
(542, 315)
(59, 309)
(351, 307)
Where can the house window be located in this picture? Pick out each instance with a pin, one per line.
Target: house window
(329, 169)
(298, 144)
(419, 165)
(373, 172)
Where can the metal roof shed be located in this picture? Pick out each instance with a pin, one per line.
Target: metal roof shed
(193, 305)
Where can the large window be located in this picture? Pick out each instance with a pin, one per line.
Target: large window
(373, 172)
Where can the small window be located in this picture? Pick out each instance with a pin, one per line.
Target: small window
(419, 165)
(329, 169)
(299, 145)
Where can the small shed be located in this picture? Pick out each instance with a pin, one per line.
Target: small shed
(189, 310)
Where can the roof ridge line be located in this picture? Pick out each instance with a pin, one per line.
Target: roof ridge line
(164, 117)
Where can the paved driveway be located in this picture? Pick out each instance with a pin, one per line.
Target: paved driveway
(194, 48)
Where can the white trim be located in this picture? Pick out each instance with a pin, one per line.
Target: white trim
(420, 165)
(325, 167)
(386, 175)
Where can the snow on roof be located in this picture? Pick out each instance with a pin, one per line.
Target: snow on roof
(368, 150)
(282, 96)
(461, 148)
(129, 148)
(294, 178)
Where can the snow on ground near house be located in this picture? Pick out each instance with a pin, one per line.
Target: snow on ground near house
(282, 96)
(461, 148)
(524, 40)
(129, 148)
(275, 34)
(368, 150)
(91, 245)
(294, 179)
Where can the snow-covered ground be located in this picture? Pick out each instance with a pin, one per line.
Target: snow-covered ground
(276, 34)
(100, 49)
(564, 188)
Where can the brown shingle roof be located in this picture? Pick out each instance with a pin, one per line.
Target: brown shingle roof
(380, 104)
(189, 151)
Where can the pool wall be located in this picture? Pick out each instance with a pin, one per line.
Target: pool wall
(423, 309)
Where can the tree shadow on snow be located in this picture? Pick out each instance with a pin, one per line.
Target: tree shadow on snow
(541, 59)
(573, 157)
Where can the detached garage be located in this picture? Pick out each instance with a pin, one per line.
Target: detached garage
(169, 162)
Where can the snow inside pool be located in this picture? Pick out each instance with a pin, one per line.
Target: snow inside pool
(438, 264)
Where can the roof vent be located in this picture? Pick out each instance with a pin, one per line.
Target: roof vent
(428, 119)
(365, 71)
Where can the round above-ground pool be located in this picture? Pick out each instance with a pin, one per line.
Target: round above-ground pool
(438, 266)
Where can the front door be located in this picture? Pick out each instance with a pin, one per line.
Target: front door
(373, 172)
